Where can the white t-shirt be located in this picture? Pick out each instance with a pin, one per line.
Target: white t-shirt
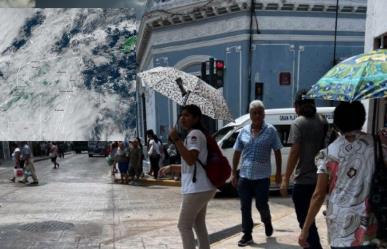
(195, 140)
(153, 148)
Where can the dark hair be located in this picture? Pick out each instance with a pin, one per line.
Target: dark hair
(307, 107)
(196, 113)
(349, 116)
(139, 141)
(152, 135)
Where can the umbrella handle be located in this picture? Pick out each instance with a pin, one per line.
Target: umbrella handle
(186, 97)
(176, 126)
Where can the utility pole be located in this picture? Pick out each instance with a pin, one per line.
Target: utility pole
(335, 39)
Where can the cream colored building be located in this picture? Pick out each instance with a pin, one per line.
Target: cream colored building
(376, 37)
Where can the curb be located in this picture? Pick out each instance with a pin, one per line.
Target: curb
(152, 182)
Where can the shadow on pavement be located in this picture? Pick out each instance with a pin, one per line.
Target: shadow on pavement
(273, 243)
(226, 233)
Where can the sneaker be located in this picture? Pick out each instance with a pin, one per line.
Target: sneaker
(12, 179)
(245, 240)
(34, 183)
(268, 229)
(22, 181)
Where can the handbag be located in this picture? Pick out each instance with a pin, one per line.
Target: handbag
(109, 160)
(378, 193)
(18, 172)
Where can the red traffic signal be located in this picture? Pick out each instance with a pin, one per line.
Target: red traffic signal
(219, 64)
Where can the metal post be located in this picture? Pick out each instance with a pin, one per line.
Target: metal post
(335, 39)
(252, 13)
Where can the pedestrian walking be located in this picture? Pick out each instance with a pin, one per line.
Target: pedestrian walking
(26, 154)
(29, 171)
(174, 157)
(142, 155)
(197, 192)
(53, 154)
(154, 152)
(61, 150)
(113, 151)
(254, 145)
(122, 158)
(172, 152)
(307, 137)
(345, 170)
(135, 161)
(162, 153)
(16, 156)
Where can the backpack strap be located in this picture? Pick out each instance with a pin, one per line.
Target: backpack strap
(194, 174)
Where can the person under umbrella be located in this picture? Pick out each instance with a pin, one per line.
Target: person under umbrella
(345, 169)
(196, 194)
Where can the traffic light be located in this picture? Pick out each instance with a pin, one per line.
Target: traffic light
(219, 75)
(215, 74)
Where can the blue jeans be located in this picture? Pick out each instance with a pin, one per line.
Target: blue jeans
(258, 189)
(302, 194)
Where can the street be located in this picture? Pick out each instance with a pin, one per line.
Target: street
(77, 206)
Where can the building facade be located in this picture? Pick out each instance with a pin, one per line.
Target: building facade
(376, 37)
(271, 49)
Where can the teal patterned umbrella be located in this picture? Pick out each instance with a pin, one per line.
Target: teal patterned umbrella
(360, 77)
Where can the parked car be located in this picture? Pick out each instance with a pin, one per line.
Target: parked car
(79, 146)
(281, 119)
(100, 148)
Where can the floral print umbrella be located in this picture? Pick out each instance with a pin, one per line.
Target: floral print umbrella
(191, 90)
(360, 77)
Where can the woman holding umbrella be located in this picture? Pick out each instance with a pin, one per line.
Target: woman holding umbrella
(345, 169)
(196, 193)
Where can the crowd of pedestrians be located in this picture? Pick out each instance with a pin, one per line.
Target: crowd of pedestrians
(127, 157)
(340, 172)
(24, 164)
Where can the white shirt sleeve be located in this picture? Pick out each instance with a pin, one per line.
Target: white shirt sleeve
(195, 140)
(151, 144)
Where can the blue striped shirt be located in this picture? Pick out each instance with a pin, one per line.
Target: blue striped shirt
(256, 151)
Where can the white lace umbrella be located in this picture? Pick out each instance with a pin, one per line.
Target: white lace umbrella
(189, 90)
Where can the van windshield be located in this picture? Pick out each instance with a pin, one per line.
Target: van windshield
(220, 134)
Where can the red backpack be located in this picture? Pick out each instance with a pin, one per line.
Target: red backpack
(218, 168)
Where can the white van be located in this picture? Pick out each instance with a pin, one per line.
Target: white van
(281, 119)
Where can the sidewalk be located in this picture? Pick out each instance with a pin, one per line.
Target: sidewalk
(285, 234)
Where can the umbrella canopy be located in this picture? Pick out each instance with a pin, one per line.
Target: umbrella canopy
(184, 88)
(360, 77)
